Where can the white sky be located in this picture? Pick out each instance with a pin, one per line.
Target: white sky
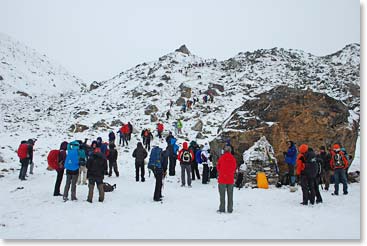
(96, 40)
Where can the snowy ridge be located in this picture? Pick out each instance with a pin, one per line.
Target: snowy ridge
(25, 70)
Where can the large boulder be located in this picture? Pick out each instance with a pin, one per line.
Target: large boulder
(198, 126)
(284, 114)
(185, 91)
(183, 49)
(78, 128)
(150, 109)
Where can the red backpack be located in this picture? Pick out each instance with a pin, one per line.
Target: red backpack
(53, 159)
(23, 151)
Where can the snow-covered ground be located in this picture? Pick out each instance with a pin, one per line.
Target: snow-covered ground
(130, 213)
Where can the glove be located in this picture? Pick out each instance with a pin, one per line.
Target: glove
(302, 158)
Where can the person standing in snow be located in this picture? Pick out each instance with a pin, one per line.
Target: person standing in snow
(112, 160)
(173, 148)
(148, 137)
(156, 163)
(185, 156)
(168, 114)
(72, 170)
(97, 167)
(226, 168)
(307, 173)
(160, 128)
(31, 142)
(290, 160)
(179, 126)
(82, 177)
(326, 172)
(60, 169)
(194, 164)
(339, 164)
(111, 137)
(125, 132)
(205, 162)
(24, 153)
(139, 154)
(130, 126)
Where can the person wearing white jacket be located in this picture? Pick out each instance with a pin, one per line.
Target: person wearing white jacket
(205, 162)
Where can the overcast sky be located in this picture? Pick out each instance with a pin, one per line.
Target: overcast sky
(96, 40)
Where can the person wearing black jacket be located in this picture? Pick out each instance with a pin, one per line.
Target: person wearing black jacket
(194, 165)
(112, 161)
(148, 136)
(97, 166)
(60, 169)
(159, 174)
(130, 131)
(139, 154)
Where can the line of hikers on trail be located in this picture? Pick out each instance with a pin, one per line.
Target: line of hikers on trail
(314, 169)
(187, 104)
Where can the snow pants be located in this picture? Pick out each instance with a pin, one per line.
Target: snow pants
(223, 188)
(71, 179)
(158, 185)
(60, 175)
(326, 177)
(139, 166)
(23, 169)
(92, 182)
(205, 173)
(113, 165)
(195, 170)
(308, 189)
(172, 165)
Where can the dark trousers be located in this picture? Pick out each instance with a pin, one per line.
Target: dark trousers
(308, 189)
(326, 177)
(172, 166)
(139, 166)
(23, 168)
(99, 183)
(120, 141)
(158, 185)
(205, 173)
(124, 140)
(340, 176)
(317, 190)
(113, 164)
(223, 188)
(159, 134)
(195, 170)
(60, 175)
(147, 144)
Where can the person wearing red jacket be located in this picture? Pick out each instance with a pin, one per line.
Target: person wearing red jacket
(339, 164)
(226, 168)
(185, 156)
(125, 132)
(160, 129)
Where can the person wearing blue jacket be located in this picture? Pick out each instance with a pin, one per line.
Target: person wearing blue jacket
(290, 158)
(72, 170)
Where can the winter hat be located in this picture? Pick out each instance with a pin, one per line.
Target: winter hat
(206, 147)
(64, 145)
(99, 140)
(185, 145)
(30, 141)
(322, 148)
(336, 147)
(228, 142)
(303, 148)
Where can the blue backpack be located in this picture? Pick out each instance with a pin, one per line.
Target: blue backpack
(72, 158)
(155, 159)
(198, 157)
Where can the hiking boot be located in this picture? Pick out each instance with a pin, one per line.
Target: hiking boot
(220, 211)
(318, 201)
(334, 194)
(230, 211)
(157, 200)
(90, 201)
(65, 198)
(182, 185)
(58, 194)
(190, 186)
(100, 199)
(74, 199)
(304, 203)
(345, 193)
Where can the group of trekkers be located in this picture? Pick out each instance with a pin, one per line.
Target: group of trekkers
(314, 169)
(187, 104)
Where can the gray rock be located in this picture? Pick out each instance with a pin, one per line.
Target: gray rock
(150, 109)
(183, 49)
(78, 128)
(198, 126)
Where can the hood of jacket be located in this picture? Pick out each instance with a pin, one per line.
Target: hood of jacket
(185, 146)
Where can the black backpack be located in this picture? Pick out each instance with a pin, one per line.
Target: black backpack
(311, 165)
(186, 157)
(108, 188)
(213, 172)
(338, 160)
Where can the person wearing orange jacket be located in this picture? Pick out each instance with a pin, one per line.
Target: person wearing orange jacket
(307, 174)
(125, 132)
(185, 156)
(339, 164)
(226, 168)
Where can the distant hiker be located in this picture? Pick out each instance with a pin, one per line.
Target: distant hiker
(306, 168)
(211, 98)
(72, 170)
(97, 166)
(112, 160)
(173, 148)
(326, 172)
(205, 99)
(148, 137)
(121, 135)
(339, 164)
(185, 156)
(130, 126)
(24, 153)
(82, 177)
(31, 143)
(160, 128)
(228, 143)
(226, 168)
(290, 159)
(143, 133)
(111, 137)
(168, 138)
(170, 103)
(139, 154)
(156, 165)
(194, 164)
(183, 107)
(349, 158)
(179, 126)
(125, 132)
(168, 114)
(99, 142)
(205, 162)
(60, 169)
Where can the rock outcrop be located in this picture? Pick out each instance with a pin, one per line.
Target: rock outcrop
(183, 49)
(284, 114)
